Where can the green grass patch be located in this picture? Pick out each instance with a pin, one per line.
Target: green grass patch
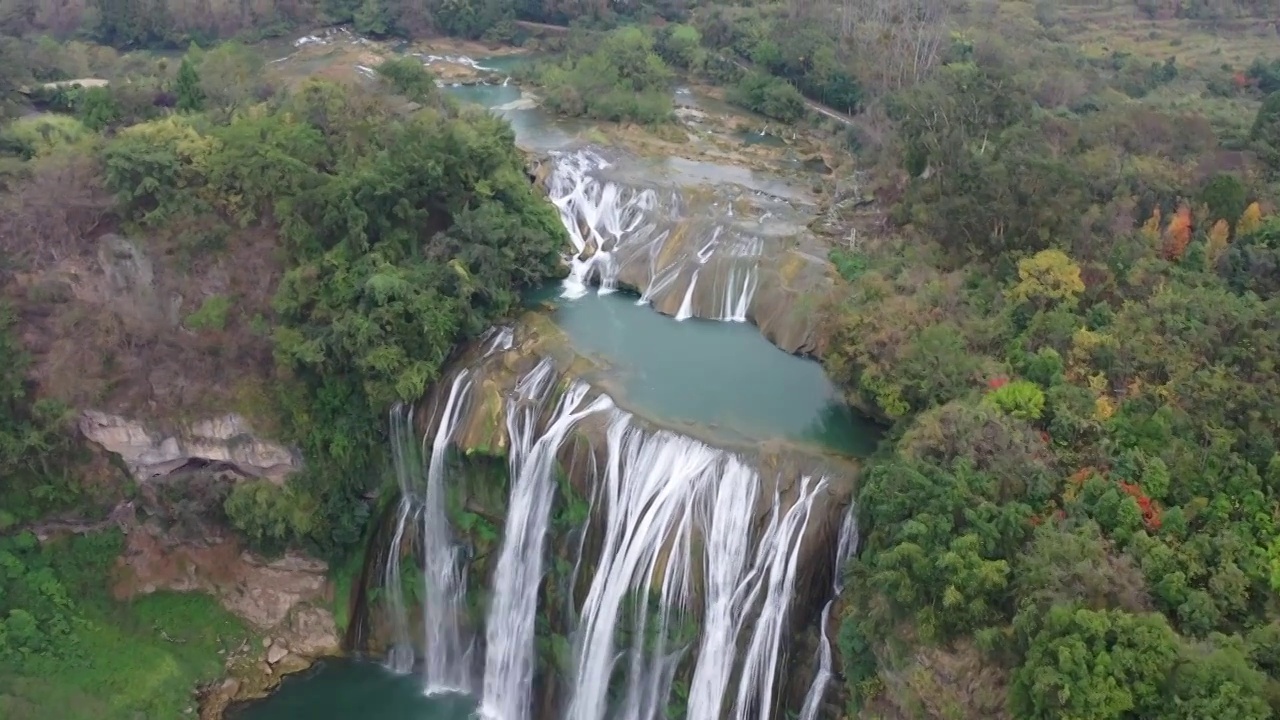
(138, 659)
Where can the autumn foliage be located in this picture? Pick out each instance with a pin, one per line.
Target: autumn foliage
(1251, 219)
(1178, 234)
(1150, 512)
(1219, 236)
(1151, 228)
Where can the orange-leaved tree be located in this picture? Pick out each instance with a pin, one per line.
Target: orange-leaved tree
(1178, 235)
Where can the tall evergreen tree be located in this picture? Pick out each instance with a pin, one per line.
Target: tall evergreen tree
(190, 96)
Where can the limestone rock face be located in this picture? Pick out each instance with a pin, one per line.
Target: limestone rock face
(149, 454)
(312, 632)
(267, 591)
(130, 281)
(262, 592)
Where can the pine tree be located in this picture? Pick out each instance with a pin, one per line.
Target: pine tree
(190, 96)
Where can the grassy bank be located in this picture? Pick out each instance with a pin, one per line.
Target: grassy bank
(90, 657)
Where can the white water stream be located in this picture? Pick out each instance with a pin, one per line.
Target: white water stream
(845, 548)
(612, 226)
(446, 655)
(508, 671)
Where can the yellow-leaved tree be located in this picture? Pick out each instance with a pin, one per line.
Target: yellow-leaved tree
(1219, 236)
(1151, 228)
(1250, 220)
(1047, 278)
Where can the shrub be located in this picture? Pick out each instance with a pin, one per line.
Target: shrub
(768, 96)
(1021, 399)
(212, 314)
(271, 516)
(409, 78)
(624, 79)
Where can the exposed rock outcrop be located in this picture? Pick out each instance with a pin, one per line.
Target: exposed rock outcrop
(226, 440)
(264, 593)
(285, 599)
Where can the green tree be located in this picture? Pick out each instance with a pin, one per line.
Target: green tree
(230, 76)
(1226, 197)
(1047, 278)
(97, 108)
(1266, 131)
(1021, 399)
(1095, 664)
(187, 86)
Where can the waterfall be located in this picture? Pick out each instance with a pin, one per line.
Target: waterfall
(446, 657)
(508, 672)
(726, 570)
(659, 277)
(760, 666)
(693, 568)
(686, 305)
(611, 226)
(498, 339)
(649, 496)
(670, 505)
(400, 655)
(446, 662)
(845, 548)
(741, 279)
(597, 215)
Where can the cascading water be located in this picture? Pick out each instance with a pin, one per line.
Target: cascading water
(760, 665)
(446, 656)
(739, 287)
(400, 656)
(508, 673)
(613, 227)
(845, 548)
(596, 215)
(661, 493)
(649, 497)
(686, 305)
(693, 570)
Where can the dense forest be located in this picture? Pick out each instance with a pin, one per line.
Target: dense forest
(1066, 308)
(1073, 327)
